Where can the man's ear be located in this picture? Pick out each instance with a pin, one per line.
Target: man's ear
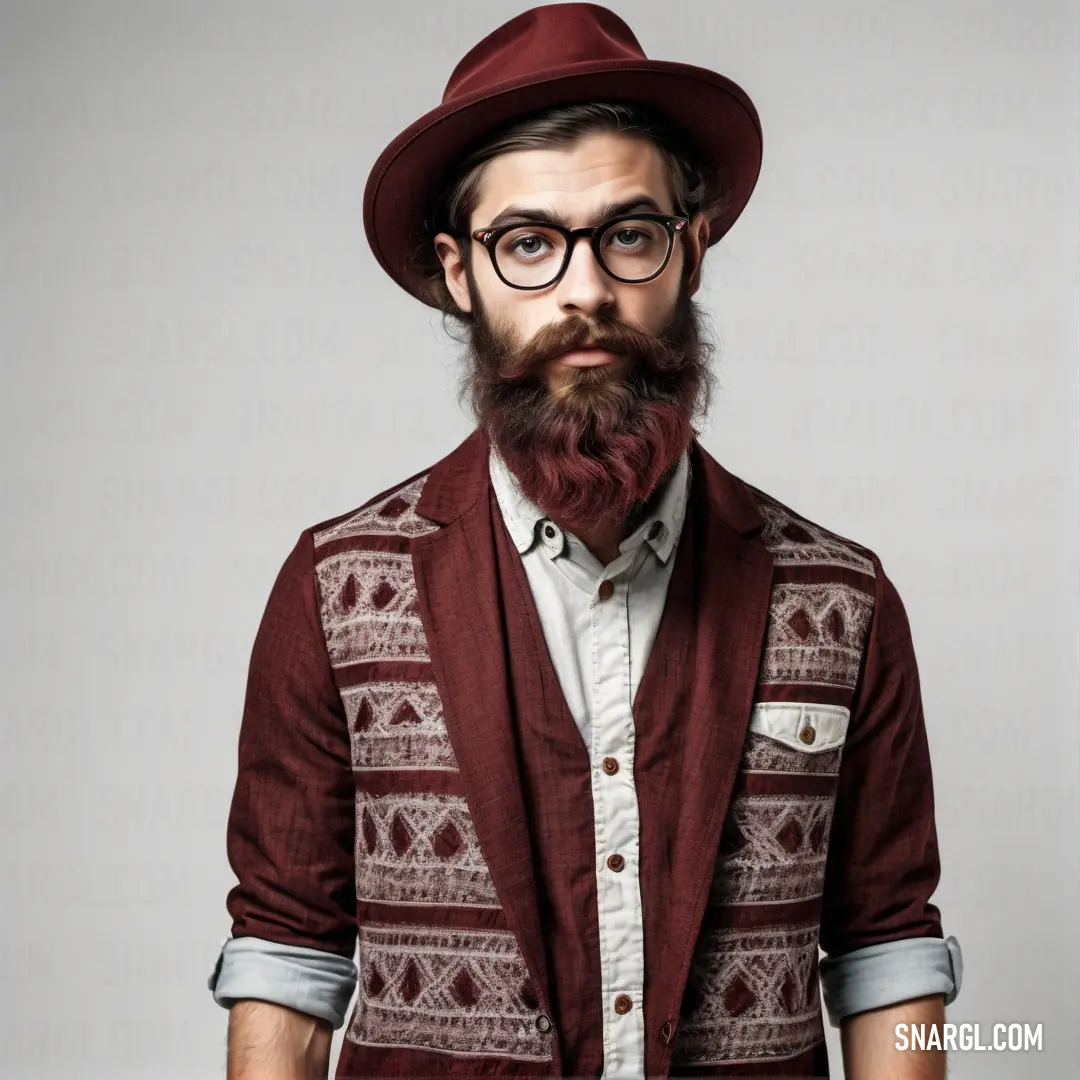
(697, 243)
(453, 263)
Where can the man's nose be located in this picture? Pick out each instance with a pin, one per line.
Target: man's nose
(585, 287)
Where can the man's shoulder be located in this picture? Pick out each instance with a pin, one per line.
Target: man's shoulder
(390, 513)
(796, 540)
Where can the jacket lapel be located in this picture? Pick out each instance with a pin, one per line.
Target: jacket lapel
(460, 606)
(698, 686)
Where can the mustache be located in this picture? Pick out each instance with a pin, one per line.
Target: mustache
(575, 332)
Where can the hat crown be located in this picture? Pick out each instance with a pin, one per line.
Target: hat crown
(540, 40)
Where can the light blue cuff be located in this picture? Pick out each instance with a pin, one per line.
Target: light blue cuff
(894, 971)
(309, 980)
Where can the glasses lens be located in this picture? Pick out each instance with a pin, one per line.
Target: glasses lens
(530, 256)
(633, 249)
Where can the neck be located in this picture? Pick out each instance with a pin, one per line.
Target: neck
(603, 537)
(602, 540)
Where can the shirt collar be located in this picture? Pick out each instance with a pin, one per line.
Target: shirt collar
(523, 517)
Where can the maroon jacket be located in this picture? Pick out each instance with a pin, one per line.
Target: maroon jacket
(410, 772)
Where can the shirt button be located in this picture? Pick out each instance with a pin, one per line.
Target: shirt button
(616, 863)
(606, 589)
(543, 1023)
(549, 530)
(610, 766)
(623, 1004)
(807, 735)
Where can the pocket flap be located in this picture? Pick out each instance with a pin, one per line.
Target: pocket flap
(803, 726)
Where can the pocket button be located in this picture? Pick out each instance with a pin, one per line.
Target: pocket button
(807, 735)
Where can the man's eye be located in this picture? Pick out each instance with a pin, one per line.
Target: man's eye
(528, 245)
(628, 237)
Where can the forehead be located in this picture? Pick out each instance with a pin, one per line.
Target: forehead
(574, 180)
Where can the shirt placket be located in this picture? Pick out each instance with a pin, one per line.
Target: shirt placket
(616, 830)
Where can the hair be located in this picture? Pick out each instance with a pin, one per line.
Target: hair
(695, 187)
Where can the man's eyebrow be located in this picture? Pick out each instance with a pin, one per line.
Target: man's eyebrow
(533, 213)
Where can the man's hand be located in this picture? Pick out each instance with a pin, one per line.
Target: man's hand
(273, 1042)
(869, 1042)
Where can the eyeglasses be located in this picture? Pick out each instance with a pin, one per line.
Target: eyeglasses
(632, 248)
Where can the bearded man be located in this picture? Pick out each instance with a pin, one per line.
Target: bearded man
(585, 742)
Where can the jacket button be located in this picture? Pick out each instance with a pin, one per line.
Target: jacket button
(616, 862)
(543, 1023)
(623, 1004)
(606, 589)
(807, 735)
(610, 766)
(666, 1031)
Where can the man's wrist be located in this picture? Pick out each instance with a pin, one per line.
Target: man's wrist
(267, 1041)
(869, 1043)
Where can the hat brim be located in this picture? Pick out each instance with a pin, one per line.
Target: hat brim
(713, 112)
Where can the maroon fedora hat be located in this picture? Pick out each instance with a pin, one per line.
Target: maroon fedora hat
(546, 56)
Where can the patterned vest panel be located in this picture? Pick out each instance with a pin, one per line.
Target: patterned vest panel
(440, 973)
(752, 995)
(439, 970)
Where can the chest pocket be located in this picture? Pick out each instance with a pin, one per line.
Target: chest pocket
(795, 737)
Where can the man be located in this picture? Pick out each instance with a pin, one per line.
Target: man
(588, 742)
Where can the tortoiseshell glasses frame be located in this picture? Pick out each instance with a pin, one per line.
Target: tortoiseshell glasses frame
(673, 224)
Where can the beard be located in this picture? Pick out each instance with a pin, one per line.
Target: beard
(594, 450)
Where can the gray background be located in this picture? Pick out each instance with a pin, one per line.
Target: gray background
(201, 358)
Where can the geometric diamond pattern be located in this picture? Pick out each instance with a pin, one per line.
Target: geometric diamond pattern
(773, 849)
(797, 542)
(815, 634)
(369, 607)
(419, 848)
(454, 991)
(393, 515)
(397, 725)
(751, 994)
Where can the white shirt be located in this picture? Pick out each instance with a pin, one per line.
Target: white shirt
(599, 649)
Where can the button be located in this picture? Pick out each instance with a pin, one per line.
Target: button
(549, 530)
(610, 766)
(667, 1031)
(616, 862)
(807, 735)
(606, 589)
(543, 1023)
(623, 1004)
(657, 528)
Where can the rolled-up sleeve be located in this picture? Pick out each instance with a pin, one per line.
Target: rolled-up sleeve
(291, 824)
(882, 935)
(310, 980)
(879, 975)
